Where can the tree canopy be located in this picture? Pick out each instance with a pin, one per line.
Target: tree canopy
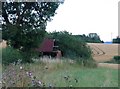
(24, 23)
(116, 40)
(91, 38)
(70, 46)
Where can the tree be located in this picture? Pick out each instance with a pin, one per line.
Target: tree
(24, 23)
(91, 38)
(116, 40)
(94, 37)
(71, 46)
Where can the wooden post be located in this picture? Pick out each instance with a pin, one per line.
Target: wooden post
(58, 56)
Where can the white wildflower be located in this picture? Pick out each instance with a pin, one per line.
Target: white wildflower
(30, 73)
(27, 73)
(39, 82)
(0, 82)
(21, 67)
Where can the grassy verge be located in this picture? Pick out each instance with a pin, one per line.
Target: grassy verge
(61, 74)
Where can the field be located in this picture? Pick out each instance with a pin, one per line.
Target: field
(104, 52)
(65, 74)
(62, 73)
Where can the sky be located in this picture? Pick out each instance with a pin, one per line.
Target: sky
(87, 16)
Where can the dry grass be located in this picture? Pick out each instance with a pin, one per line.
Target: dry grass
(104, 52)
(3, 44)
(108, 65)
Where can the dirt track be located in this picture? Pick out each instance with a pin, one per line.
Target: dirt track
(109, 65)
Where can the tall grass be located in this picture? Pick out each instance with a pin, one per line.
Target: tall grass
(59, 73)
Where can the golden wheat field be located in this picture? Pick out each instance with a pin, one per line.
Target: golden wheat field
(104, 52)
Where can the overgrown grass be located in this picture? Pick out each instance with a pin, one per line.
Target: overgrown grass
(86, 77)
(62, 74)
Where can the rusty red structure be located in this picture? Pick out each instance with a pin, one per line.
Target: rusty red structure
(49, 47)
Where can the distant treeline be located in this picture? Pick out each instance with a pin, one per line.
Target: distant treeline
(91, 38)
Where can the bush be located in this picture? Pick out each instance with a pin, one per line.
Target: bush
(10, 55)
(117, 59)
(28, 56)
(116, 40)
(70, 46)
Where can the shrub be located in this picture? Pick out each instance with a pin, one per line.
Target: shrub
(70, 46)
(10, 55)
(116, 40)
(117, 59)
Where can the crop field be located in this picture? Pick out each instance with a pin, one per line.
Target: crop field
(104, 52)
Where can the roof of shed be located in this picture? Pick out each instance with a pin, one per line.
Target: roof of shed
(46, 46)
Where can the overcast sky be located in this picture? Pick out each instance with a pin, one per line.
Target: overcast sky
(87, 16)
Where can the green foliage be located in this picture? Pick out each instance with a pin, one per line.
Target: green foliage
(117, 59)
(117, 40)
(90, 63)
(58, 75)
(70, 46)
(10, 55)
(27, 24)
(24, 24)
(91, 38)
